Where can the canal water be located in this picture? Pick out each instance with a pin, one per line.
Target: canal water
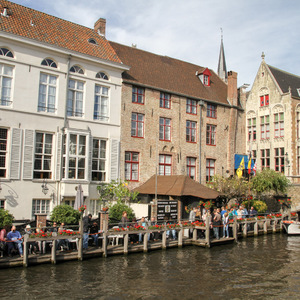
(266, 267)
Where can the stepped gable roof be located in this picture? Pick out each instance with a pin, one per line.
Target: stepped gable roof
(286, 80)
(32, 24)
(169, 74)
(176, 185)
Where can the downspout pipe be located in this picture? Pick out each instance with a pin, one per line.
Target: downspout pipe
(67, 90)
(201, 104)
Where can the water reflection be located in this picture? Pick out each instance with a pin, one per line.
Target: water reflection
(267, 267)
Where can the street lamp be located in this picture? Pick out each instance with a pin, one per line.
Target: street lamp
(45, 189)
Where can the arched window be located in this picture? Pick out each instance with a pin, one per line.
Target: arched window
(102, 75)
(76, 69)
(6, 52)
(92, 41)
(48, 62)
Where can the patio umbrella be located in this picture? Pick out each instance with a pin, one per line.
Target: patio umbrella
(79, 197)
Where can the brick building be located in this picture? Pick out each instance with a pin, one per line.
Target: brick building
(273, 122)
(177, 118)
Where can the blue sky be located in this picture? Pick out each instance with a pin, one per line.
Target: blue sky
(190, 30)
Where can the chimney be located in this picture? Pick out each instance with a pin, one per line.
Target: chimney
(100, 26)
(232, 88)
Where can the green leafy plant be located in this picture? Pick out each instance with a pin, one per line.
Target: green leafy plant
(65, 214)
(115, 212)
(6, 218)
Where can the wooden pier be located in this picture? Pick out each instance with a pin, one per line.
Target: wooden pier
(201, 236)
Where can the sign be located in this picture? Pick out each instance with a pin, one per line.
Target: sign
(167, 209)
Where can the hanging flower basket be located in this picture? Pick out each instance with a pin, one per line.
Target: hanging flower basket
(82, 208)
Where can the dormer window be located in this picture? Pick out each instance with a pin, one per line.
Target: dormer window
(205, 77)
(92, 41)
(102, 75)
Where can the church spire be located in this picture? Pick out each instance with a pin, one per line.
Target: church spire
(222, 70)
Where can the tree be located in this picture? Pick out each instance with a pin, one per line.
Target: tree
(65, 214)
(269, 182)
(116, 211)
(6, 218)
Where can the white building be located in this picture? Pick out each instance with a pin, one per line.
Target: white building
(60, 101)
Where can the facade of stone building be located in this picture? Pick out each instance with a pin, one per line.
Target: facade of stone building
(59, 111)
(177, 119)
(273, 119)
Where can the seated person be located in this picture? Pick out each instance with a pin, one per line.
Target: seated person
(53, 228)
(31, 245)
(14, 239)
(3, 245)
(64, 243)
(94, 233)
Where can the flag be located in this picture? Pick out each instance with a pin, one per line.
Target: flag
(239, 171)
(254, 168)
(249, 165)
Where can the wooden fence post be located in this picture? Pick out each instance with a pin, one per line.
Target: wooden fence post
(25, 252)
(145, 246)
(164, 239)
(80, 241)
(207, 231)
(234, 228)
(245, 229)
(180, 233)
(274, 224)
(265, 226)
(126, 238)
(53, 252)
(194, 234)
(104, 242)
(256, 227)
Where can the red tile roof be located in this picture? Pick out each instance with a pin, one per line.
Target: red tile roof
(29, 23)
(169, 74)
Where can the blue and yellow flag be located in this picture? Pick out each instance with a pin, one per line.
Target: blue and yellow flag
(249, 165)
(239, 171)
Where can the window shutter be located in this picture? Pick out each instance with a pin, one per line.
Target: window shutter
(28, 154)
(15, 160)
(58, 156)
(114, 160)
(90, 158)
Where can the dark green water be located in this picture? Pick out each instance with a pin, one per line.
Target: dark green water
(267, 267)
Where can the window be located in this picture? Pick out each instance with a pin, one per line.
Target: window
(164, 129)
(43, 155)
(191, 131)
(191, 167)
(92, 41)
(165, 100)
(137, 125)
(252, 129)
(191, 106)
(2, 204)
(99, 160)
(3, 152)
(102, 75)
(6, 75)
(165, 164)
(6, 52)
(264, 100)
(265, 158)
(131, 166)
(265, 127)
(76, 69)
(95, 206)
(47, 93)
(75, 98)
(49, 63)
(298, 125)
(138, 95)
(40, 207)
(74, 156)
(279, 159)
(279, 125)
(253, 154)
(211, 135)
(210, 169)
(69, 202)
(211, 111)
(101, 103)
(205, 77)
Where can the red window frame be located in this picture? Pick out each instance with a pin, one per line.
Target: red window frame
(211, 134)
(279, 131)
(264, 128)
(164, 128)
(190, 106)
(191, 128)
(264, 100)
(130, 162)
(210, 165)
(137, 122)
(163, 164)
(211, 111)
(279, 159)
(165, 100)
(191, 165)
(138, 93)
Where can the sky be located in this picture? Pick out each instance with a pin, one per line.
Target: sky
(190, 30)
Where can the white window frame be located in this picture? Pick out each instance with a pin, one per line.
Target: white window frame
(49, 105)
(101, 101)
(98, 159)
(6, 101)
(95, 206)
(74, 103)
(41, 206)
(4, 153)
